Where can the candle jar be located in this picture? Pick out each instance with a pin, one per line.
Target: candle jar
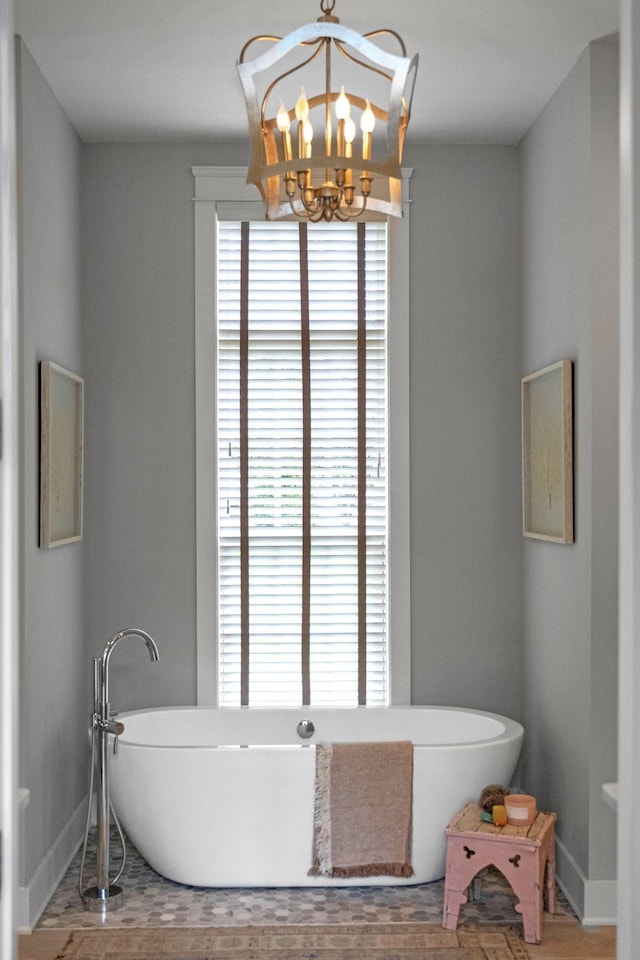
(521, 809)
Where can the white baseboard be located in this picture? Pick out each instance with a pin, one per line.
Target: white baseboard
(33, 898)
(594, 901)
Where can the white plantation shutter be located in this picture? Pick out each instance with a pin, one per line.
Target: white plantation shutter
(301, 440)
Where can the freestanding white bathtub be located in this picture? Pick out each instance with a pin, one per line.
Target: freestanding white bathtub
(225, 798)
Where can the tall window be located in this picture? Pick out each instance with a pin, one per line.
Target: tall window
(302, 453)
(312, 627)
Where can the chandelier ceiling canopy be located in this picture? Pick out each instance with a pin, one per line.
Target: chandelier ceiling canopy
(328, 111)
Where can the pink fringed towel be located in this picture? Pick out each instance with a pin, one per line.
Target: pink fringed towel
(363, 807)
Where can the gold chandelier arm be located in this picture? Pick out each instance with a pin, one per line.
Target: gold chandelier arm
(360, 63)
(390, 33)
(349, 214)
(316, 53)
(256, 40)
(310, 211)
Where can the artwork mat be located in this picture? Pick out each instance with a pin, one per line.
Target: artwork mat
(61, 455)
(547, 453)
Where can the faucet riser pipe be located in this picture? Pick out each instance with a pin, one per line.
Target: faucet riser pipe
(103, 815)
(97, 674)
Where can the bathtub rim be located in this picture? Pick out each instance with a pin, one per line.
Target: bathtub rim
(512, 729)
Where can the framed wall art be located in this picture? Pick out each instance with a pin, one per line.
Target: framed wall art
(547, 453)
(61, 455)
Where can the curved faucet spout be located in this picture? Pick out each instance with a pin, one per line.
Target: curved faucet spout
(108, 650)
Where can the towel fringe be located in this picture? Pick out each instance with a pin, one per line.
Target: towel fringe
(365, 870)
(322, 812)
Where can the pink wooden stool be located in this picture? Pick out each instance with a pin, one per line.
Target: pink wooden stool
(522, 854)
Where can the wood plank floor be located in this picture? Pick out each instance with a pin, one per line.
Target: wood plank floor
(562, 940)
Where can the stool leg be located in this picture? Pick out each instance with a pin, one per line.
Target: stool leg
(531, 920)
(529, 893)
(453, 900)
(460, 871)
(551, 884)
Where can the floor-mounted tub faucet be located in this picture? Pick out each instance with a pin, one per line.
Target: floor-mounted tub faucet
(106, 894)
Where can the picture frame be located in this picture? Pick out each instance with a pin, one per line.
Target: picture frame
(547, 453)
(61, 455)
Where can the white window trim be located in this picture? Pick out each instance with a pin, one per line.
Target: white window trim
(222, 192)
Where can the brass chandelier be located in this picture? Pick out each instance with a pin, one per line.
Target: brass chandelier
(354, 171)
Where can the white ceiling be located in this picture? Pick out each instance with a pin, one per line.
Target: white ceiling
(165, 69)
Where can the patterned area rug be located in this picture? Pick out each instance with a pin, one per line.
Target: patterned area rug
(411, 941)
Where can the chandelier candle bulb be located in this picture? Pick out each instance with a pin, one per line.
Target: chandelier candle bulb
(349, 136)
(307, 137)
(343, 109)
(367, 125)
(284, 126)
(302, 116)
(521, 809)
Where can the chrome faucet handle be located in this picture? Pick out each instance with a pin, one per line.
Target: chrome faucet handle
(111, 726)
(119, 729)
(114, 727)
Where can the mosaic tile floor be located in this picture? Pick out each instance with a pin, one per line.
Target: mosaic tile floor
(150, 900)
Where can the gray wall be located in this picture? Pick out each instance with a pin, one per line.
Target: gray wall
(54, 700)
(465, 428)
(138, 240)
(569, 185)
